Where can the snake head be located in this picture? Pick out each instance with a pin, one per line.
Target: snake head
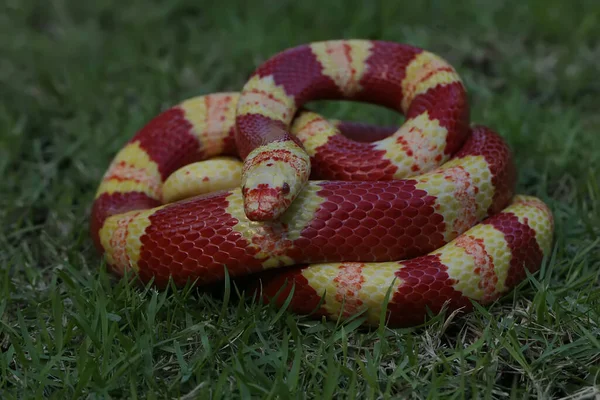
(272, 178)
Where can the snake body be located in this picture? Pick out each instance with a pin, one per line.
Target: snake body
(329, 214)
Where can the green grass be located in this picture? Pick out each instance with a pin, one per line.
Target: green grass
(79, 78)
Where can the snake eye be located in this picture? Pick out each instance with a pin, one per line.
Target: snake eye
(285, 188)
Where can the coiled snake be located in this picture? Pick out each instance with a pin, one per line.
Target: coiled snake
(337, 212)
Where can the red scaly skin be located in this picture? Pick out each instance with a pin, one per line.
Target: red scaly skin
(172, 151)
(344, 159)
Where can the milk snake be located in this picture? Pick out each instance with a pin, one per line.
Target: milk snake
(331, 214)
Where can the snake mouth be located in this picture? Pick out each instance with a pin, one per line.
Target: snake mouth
(265, 203)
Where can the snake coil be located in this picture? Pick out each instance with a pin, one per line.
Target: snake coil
(331, 214)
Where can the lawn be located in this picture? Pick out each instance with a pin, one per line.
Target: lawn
(79, 78)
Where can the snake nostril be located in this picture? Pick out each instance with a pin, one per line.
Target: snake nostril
(285, 189)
